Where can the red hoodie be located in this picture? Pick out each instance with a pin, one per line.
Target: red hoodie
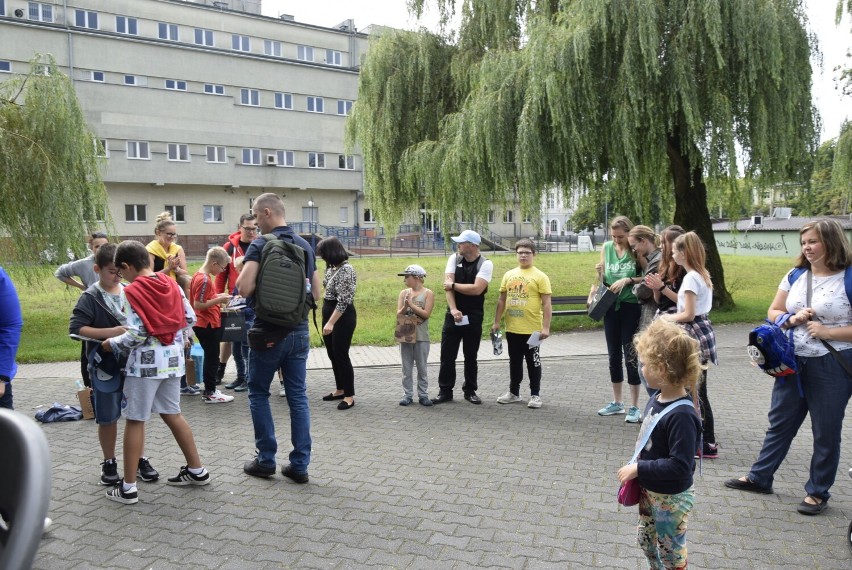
(229, 276)
(158, 302)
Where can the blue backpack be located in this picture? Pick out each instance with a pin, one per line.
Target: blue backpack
(770, 347)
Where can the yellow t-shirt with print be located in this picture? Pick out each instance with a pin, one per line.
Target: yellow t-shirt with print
(524, 288)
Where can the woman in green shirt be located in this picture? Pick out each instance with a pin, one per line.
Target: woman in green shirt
(619, 270)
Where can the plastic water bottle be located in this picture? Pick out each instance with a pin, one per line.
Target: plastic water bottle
(78, 384)
(308, 285)
(497, 342)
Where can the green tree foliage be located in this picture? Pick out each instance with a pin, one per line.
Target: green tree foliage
(50, 182)
(841, 171)
(645, 98)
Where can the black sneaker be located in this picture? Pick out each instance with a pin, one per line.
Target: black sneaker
(146, 472)
(293, 475)
(235, 384)
(117, 494)
(187, 477)
(109, 472)
(255, 469)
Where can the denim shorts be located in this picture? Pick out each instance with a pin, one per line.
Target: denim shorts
(107, 406)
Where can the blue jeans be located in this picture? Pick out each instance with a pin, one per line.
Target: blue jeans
(291, 356)
(827, 389)
(239, 350)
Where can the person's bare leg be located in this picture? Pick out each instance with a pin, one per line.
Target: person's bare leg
(634, 395)
(184, 438)
(134, 442)
(616, 392)
(107, 436)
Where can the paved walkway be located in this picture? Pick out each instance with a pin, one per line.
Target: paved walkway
(452, 486)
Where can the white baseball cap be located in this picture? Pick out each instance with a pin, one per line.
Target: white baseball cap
(468, 236)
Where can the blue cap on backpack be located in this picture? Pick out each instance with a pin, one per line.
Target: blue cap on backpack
(104, 370)
(771, 349)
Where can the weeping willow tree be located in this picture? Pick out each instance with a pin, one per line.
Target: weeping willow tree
(644, 100)
(50, 182)
(841, 170)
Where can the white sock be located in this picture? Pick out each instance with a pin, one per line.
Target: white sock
(196, 470)
(128, 487)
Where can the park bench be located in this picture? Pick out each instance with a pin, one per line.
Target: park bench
(569, 300)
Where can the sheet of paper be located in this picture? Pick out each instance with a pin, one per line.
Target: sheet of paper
(464, 321)
(534, 340)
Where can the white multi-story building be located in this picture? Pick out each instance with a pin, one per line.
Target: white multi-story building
(198, 108)
(556, 212)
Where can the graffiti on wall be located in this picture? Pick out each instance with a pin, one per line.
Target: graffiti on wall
(763, 244)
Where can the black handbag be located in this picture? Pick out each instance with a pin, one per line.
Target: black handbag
(233, 326)
(600, 300)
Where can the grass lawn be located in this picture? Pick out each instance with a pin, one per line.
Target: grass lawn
(751, 280)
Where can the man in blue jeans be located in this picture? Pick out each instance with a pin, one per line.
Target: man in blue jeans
(290, 355)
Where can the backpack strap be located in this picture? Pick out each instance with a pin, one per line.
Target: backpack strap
(640, 444)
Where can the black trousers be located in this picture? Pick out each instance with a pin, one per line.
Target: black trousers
(209, 339)
(451, 337)
(337, 346)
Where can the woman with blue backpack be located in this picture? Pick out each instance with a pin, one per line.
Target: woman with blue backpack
(815, 299)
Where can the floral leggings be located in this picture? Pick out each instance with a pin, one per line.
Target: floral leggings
(662, 527)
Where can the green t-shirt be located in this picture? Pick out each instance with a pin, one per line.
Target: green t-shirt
(616, 268)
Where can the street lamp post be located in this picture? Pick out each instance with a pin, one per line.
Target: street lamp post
(313, 232)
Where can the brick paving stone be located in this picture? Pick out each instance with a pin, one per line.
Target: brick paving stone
(452, 486)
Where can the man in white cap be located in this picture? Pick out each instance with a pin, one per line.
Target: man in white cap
(465, 282)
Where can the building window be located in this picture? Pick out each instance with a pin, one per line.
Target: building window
(2, 7)
(138, 150)
(344, 215)
(271, 47)
(490, 216)
(5, 66)
(125, 25)
(554, 226)
(217, 154)
(136, 80)
(306, 53)
(251, 156)
(344, 107)
(368, 216)
(212, 214)
(101, 149)
(249, 97)
(508, 217)
(527, 219)
(203, 37)
(283, 101)
(332, 57)
(178, 152)
(316, 160)
(315, 105)
(168, 31)
(41, 12)
(96, 76)
(86, 19)
(346, 162)
(178, 212)
(213, 89)
(285, 158)
(551, 200)
(240, 43)
(135, 213)
(175, 85)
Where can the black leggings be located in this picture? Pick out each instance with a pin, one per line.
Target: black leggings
(337, 346)
(619, 328)
(209, 339)
(519, 351)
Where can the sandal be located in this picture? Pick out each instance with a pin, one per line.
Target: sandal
(330, 397)
(811, 509)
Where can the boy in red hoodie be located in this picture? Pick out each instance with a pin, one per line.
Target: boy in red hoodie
(159, 319)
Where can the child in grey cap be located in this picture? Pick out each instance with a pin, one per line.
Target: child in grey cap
(415, 301)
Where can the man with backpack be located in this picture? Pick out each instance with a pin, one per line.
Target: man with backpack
(277, 268)
(466, 281)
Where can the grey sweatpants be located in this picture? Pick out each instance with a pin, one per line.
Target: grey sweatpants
(411, 354)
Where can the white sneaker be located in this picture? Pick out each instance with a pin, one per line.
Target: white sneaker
(282, 392)
(508, 398)
(216, 397)
(535, 402)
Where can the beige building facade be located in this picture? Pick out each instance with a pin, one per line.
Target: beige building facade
(198, 108)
